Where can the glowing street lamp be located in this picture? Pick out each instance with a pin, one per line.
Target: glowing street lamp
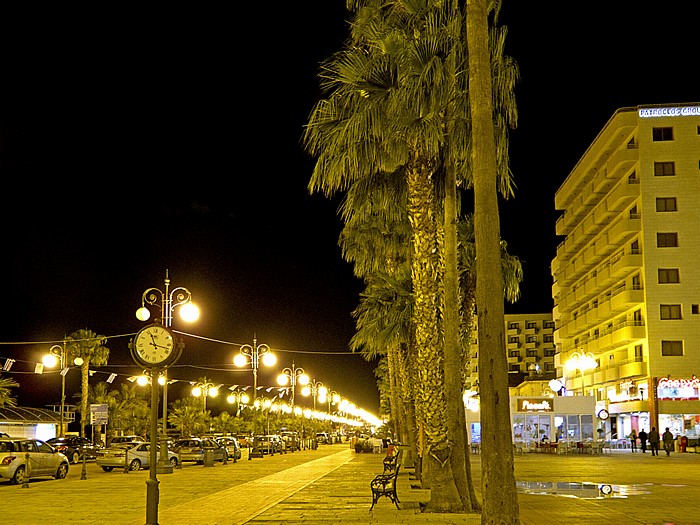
(238, 398)
(316, 390)
(59, 355)
(253, 354)
(581, 362)
(204, 389)
(292, 376)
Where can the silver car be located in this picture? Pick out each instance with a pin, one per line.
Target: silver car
(134, 456)
(44, 460)
(192, 449)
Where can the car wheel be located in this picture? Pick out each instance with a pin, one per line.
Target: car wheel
(108, 469)
(75, 457)
(135, 465)
(18, 476)
(62, 471)
(173, 462)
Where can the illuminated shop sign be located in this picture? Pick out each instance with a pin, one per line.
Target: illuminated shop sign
(688, 111)
(535, 405)
(678, 389)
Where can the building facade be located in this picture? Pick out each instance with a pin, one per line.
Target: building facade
(530, 346)
(626, 276)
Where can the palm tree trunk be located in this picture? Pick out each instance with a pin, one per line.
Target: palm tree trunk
(431, 404)
(84, 377)
(500, 504)
(456, 421)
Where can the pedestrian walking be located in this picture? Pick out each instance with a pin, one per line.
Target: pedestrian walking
(643, 440)
(667, 438)
(633, 440)
(654, 439)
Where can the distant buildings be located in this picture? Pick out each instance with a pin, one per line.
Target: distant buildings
(627, 274)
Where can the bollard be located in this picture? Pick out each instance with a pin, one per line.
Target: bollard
(25, 480)
(83, 473)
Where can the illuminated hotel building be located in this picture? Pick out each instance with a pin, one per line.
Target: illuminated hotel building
(627, 273)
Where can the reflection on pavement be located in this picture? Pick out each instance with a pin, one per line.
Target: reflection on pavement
(583, 490)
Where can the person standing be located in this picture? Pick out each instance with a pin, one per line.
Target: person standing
(667, 438)
(654, 439)
(643, 440)
(633, 440)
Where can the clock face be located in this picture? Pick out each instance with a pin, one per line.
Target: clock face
(153, 345)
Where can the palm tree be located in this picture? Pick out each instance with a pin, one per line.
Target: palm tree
(5, 398)
(92, 351)
(500, 502)
(187, 416)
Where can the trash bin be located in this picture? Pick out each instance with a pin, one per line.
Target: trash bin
(683, 443)
(314, 444)
(208, 457)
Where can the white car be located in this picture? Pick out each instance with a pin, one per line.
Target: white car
(134, 456)
(44, 460)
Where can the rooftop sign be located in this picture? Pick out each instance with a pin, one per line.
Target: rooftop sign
(685, 111)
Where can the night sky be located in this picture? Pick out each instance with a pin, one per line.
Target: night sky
(135, 142)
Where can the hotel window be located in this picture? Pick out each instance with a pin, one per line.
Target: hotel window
(661, 134)
(666, 204)
(549, 324)
(667, 240)
(514, 353)
(513, 326)
(531, 339)
(695, 309)
(670, 311)
(548, 338)
(664, 169)
(513, 339)
(531, 324)
(669, 275)
(672, 348)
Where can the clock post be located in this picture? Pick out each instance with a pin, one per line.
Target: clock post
(155, 348)
(152, 489)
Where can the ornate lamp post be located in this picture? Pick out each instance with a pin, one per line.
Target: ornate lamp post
(316, 390)
(582, 362)
(59, 355)
(167, 300)
(205, 389)
(238, 397)
(253, 355)
(333, 398)
(292, 376)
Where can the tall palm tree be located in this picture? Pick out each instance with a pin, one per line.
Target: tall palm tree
(5, 398)
(500, 502)
(92, 351)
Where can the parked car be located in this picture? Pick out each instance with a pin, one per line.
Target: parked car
(125, 439)
(261, 445)
(233, 449)
(192, 449)
(136, 455)
(323, 437)
(74, 447)
(291, 440)
(44, 460)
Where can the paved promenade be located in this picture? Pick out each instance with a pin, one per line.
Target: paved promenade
(331, 486)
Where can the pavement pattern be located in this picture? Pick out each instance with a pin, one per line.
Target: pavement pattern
(330, 485)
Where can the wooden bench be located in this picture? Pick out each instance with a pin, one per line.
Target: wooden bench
(385, 485)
